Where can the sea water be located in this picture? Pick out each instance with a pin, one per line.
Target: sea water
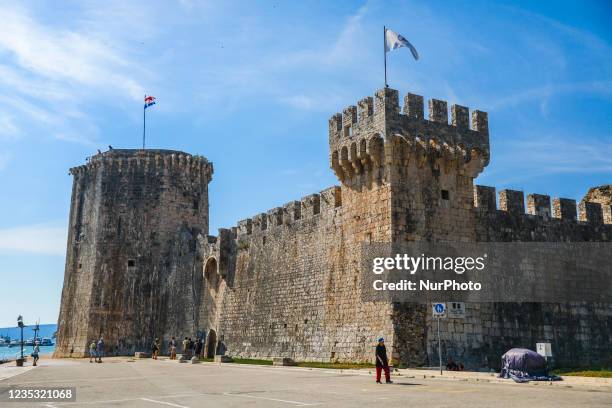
(12, 353)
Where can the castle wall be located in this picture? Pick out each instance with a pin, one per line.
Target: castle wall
(580, 332)
(295, 291)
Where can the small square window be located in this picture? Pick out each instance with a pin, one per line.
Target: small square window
(445, 195)
(131, 263)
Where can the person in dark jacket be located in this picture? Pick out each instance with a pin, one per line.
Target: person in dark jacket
(198, 347)
(155, 349)
(382, 363)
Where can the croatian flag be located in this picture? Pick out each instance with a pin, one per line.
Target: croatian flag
(149, 101)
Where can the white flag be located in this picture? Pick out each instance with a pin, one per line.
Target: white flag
(394, 41)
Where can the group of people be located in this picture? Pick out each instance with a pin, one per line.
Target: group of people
(190, 347)
(96, 350)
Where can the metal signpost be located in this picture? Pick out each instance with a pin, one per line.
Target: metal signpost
(439, 311)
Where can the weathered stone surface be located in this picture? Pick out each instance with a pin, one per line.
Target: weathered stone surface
(285, 283)
(140, 354)
(283, 361)
(223, 359)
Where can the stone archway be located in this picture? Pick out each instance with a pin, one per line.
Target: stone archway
(211, 344)
(211, 275)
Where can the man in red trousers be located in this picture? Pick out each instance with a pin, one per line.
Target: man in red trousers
(382, 363)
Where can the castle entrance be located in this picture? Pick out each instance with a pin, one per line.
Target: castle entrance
(211, 344)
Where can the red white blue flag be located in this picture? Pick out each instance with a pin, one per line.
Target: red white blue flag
(149, 101)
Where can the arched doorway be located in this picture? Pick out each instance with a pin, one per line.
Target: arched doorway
(211, 344)
(211, 275)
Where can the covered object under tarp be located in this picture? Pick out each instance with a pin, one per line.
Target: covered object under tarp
(524, 365)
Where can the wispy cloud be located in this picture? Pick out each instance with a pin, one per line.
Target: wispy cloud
(47, 239)
(548, 155)
(51, 73)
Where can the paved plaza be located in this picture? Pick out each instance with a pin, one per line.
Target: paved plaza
(120, 382)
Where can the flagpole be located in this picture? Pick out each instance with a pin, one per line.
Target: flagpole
(144, 121)
(385, 52)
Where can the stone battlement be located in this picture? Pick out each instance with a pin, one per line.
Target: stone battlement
(307, 207)
(513, 203)
(360, 136)
(159, 159)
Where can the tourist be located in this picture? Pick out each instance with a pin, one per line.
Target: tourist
(185, 347)
(382, 363)
(190, 347)
(172, 346)
(451, 365)
(198, 347)
(100, 349)
(92, 350)
(155, 349)
(35, 353)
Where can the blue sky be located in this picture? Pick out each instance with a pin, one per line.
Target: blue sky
(251, 84)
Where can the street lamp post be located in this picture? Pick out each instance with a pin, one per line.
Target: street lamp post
(20, 325)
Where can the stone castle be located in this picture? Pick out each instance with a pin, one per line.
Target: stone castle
(141, 264)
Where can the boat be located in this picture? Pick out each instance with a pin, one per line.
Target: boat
(3, 342)
(29, 342)
(46, 341)
(14, 343)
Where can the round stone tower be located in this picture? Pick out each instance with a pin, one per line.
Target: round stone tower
(130, 260)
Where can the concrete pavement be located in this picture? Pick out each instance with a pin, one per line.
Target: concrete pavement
(121, 382)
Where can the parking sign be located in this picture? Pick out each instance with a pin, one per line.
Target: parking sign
(438, 309)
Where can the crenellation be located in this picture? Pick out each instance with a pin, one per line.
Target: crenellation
(480, 122)
(335, 127)
(538, 204)
(245, 227)
(260, 222)
(365, 110)
(386, 102)
(311, 205)
(438, 111)
(275, 217)
(291, 212)
(607, 213)
(512, 201)
(330, 198)
(564, 208)
(460, 116)
(413, 106)
(484, 198)
(349, 119)
(590, 212)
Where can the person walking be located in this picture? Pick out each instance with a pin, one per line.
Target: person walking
(35, 352)
(198, 347)
(100, 349)
(382, 363)
(172, 346)
(92, 350)
(155, 349)
(185, 347)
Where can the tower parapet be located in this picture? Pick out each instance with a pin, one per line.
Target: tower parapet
(361, 137)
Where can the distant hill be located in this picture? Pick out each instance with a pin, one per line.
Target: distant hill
(46, 330)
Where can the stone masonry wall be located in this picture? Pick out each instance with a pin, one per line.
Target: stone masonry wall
(131, 266)
(286, 283)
